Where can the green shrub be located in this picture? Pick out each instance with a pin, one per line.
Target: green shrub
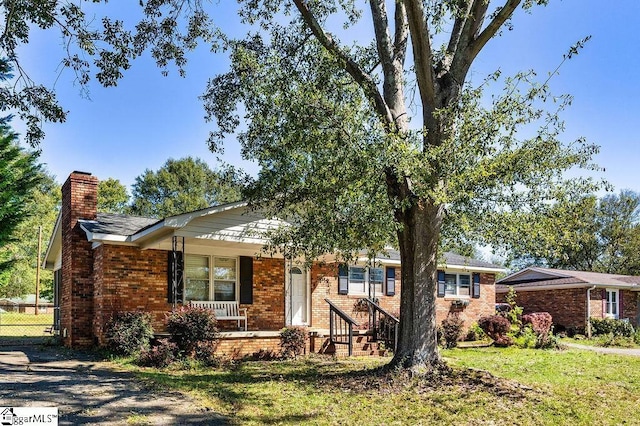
(526, 338)
(128, 333)
(191, 325)
(636, 337)
(514, 314)
(161, 355)
(452, 330)
(603, 326)
(293, 341)
(475, 333)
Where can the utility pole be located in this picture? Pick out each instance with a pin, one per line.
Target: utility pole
(38, 269)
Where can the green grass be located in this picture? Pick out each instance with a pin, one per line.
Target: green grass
(17, 324)
(530, 387)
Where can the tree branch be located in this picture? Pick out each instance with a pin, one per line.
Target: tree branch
(422, 54)
(383, 39)
(501, 17)
(458, 26)
(392, 68)
(401, 35)
(363, 79)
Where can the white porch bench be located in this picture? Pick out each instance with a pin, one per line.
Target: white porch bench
(224, 310)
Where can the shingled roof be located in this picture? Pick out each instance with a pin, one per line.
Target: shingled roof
(449, 258)
(540, 278)
(117, 224)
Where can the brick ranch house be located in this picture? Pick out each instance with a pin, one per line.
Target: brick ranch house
(109, 263)
(572, 297)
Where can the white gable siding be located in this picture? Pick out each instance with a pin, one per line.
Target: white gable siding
(237, 225)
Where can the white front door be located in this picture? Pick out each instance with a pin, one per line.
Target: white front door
(298, 296)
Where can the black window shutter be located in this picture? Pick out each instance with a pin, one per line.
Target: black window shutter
(246, 280)
(440, 283)
(391, 281)
(175, 262)
(476, 285)
(343, 279)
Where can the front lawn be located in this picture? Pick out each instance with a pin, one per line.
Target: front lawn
(528, 387)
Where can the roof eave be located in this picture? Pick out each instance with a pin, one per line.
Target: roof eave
(181, 220)
(622, 286)
(46, 264)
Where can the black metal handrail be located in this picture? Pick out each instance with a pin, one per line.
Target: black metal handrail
(340, 327)
(383, 325)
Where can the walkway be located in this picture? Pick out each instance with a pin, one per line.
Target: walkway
(617, 351)
(87, 391)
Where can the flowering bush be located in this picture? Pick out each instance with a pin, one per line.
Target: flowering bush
(496, 327)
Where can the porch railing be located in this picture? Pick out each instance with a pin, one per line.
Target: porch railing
(340, 327)
(383, 325)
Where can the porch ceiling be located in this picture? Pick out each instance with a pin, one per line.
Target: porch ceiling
(208, 246)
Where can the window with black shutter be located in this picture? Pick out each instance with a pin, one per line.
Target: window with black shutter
(476, 285)
(343, 279)
(246, 280)
(441, 283)
(391, 281)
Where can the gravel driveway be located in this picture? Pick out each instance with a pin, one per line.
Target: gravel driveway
(87, 391)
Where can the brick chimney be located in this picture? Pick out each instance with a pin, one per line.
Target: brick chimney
(79, 201)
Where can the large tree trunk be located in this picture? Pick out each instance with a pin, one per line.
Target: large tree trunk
(418, 240)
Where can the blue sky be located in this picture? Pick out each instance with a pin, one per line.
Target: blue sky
(148, 118)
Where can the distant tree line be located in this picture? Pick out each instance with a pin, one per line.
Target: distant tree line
(584, 233)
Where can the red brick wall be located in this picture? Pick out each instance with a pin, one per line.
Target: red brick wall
(267, 310)
(629, 305)
(128, 279)
(598, 298)
(79, 200)
(324, 285)
(480, 307)
(567, 307)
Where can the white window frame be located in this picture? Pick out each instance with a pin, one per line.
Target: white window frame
(609, 304)
(367, 281)
(457, 294)
(211, 259)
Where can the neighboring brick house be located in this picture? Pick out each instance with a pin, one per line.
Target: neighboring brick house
(108, 263)
(571, 297)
